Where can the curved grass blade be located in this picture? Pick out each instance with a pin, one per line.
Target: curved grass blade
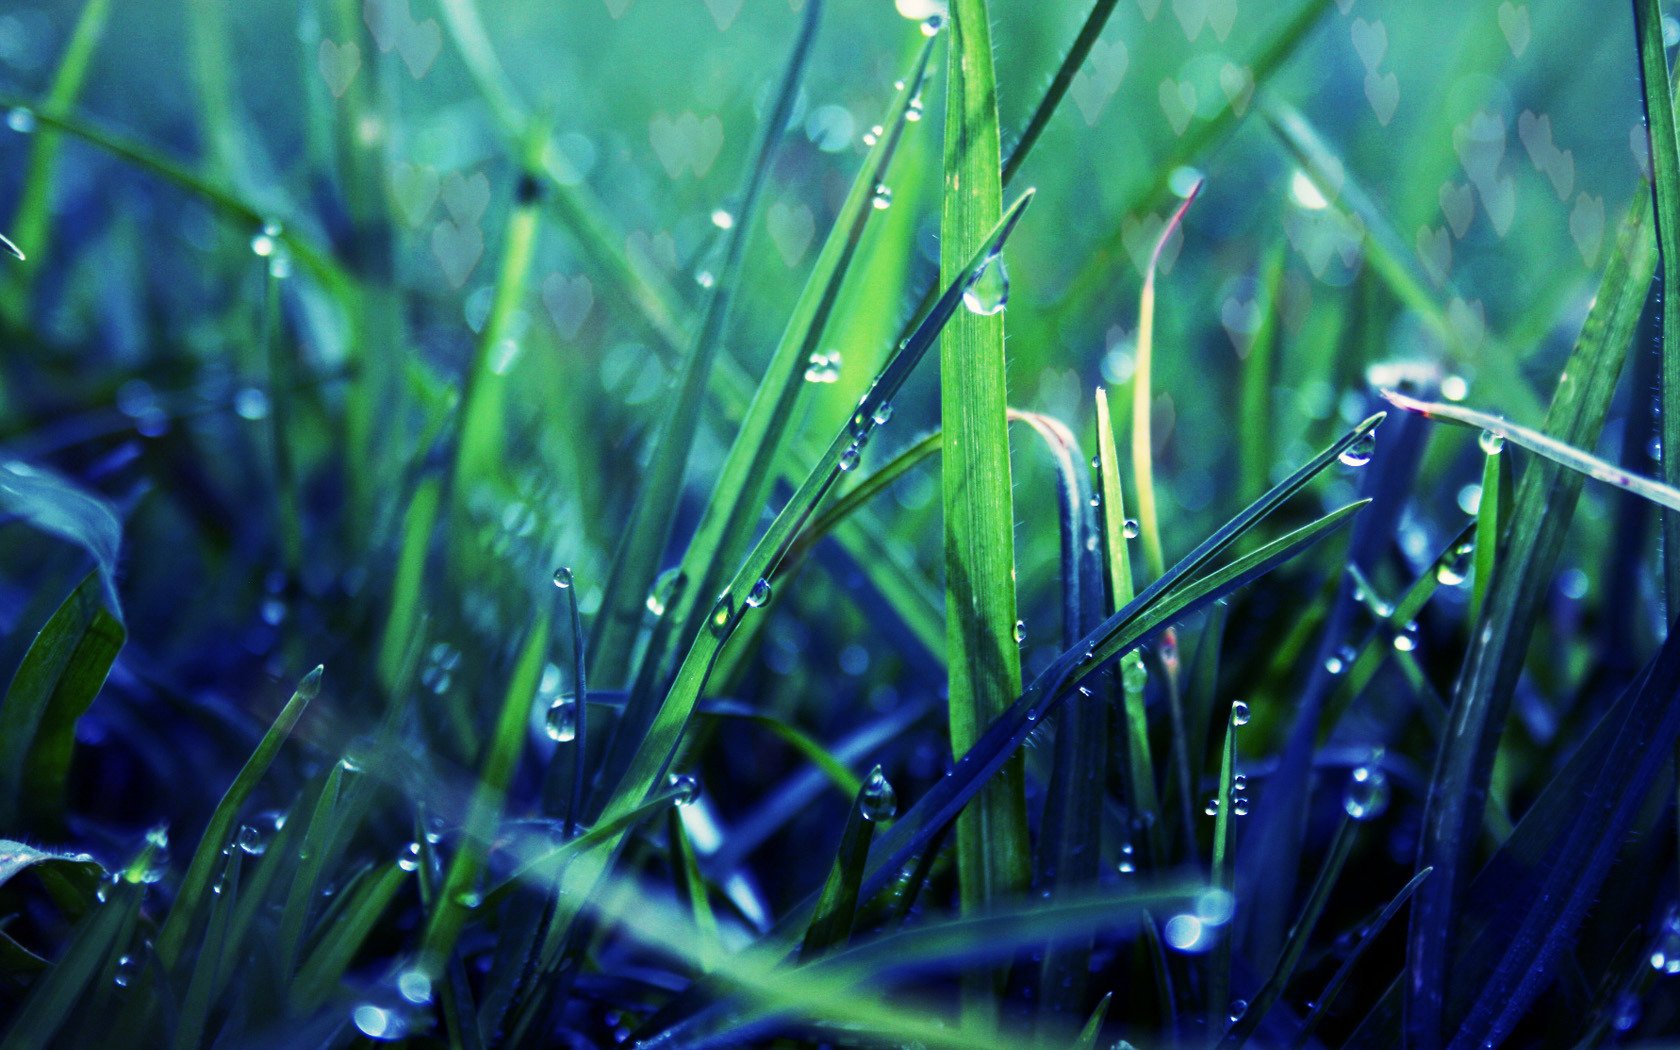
(1066, 70)
(636, 562)
(1656, 491)
(1143, 438)
(735, 505)
(219, 832)
(1654, 79)
(1545, 502)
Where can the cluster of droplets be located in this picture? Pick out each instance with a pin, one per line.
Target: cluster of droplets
(155, 863)
(823, 367)
(1128, 859)
(254, 838)
(1665, 954)
(877, 802)
(1366, 795)
(408, 858)
(1239, 781)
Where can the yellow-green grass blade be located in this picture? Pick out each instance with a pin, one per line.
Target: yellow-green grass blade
(218, 832)
(1143, 436)
(34, 207)
(982, 654)
(484, 813)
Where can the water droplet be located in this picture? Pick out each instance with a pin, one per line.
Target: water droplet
(562, 577)
(21, 119)
(913, 112)
(1406, 637)
(932, 25)
(882, 198)
(1627, 1008)
(722, 613)
(1133, 675)
(469, 899)
(722, 219)
(684, 788)
(409, 858)
(660, 596)
(376, 1022)
(1239, 806)
(1212, 807)
(415, 986)
(882, 414)
(1665, 957)
(759, 594)
(1020, 632)
(1367, 793)
(988, 292)
(350, 764)
(1239, 713)
(879, 802)
(126, 969)
(1131, 529)
(1186, 933)
(823, 367)
(848, 458)
(1455, 569)
(561, 721)
(872, 136)
(1492, 442)
(251, 840)
(1238, 1008)
(1360, 452)
(251, 403)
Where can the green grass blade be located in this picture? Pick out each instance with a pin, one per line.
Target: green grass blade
(1540, 516)
(1093, 1028)
(1490, 524)
(1367, 935)
(312, 862)
(831, 925)
(1259, 374)
(219, 832)
(204, 984)
(580, 680)
(484, 812)
(1219, 971)
(364, 906)
(982, 655)
(691, 883)
(34, 207)
(1143, 436)
(1066, 70)
(1654, 78)
(403, 621)
(63, 670)
(635, 564)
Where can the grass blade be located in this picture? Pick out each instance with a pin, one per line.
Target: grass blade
(1219, 977)
(1367, 935)
(831, 925)
(95, 940)
(219, 832)
(1540, 515)
(1491, 513)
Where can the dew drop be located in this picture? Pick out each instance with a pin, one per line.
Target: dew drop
(415, 986)
(913, 112)
(1360, 452)
(1239, 806)
(1133, 675)
(1367, 793)
(759, 594)
(1455, 568)
(1239, 713)
(878, 802)
(988, 292)
(1406, 637)
(561, 722)
(882, 414)
(126, 969)
(409, 858)
(684, 788)
(1665, 957)
(21, 119)
(1238, 1008)
(1131, 528)
(251, 840)
(1020, 632)
(1212, 807)
(1492, 442)
(932, 25)
(849, 458)
(562, 577)
(882, 198)
(660, 596)
(376, 1022)
(722, 613)
(1186, 933)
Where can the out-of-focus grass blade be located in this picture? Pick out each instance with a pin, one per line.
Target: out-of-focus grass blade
(12, 249)
(63, 670)
(219, 832)
(865, 490)
(407, 605)
(1143, 434)
(580, 680)
(34, 207)
(1093, 1028)
(1654, 78)
(1366, 936)
(1544, 504)
(312, 862)
(1066, 70)
(484, 812)
(92, 943)
(736, 503)
(691, 884)
(1296, 942)
(1254, 415)
(1557, 451)
(1141, 798)
(815, 753)
(837, 906)
(365, 905)
(982, 654)
(635, 564)
(479, 444)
